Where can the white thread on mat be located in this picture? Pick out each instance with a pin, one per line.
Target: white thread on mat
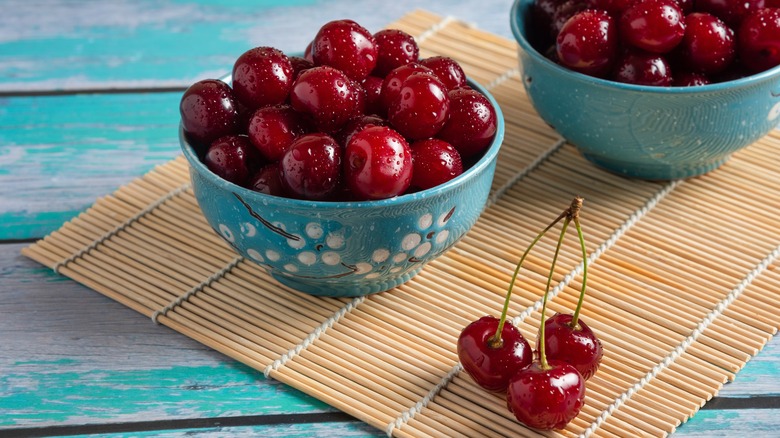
(499, 192)
(439, 26)
(687, 342)
(420, 405)
(609, 243)
(313, 336)
(129, 221)
(328, 323)
(199, 287)
(620, 231)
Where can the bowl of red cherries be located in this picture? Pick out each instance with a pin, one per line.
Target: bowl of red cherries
(346, 168)
(652, 89)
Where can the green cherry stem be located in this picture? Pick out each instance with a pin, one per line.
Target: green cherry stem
(542, 356)
(575, 318)
(495, 341)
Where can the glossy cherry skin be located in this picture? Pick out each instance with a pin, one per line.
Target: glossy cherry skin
(395, 48)
(546, 399)
(449, 71)
(732, 12)
(372, 85)
(643, 68)
(434, 162)
(492, 367)
(377, 163)
(391, 84)
(311, 167)
(758, 40)
(262, 76)
(614, 7)
(563, 12)
(268, 180)
(421, 108)
(579, 347)
(708, 45)
(232, 158)
(357, 124)
(299, 64)
(273, 128)
(208, 111)
(587, 43)
(327, 95)
(690, 79)
(656, 26)
(472, 122)
(347, 46)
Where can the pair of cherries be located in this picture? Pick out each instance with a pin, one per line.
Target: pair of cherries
(547, 391)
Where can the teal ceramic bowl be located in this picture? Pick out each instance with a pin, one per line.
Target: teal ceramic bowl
(655, 133)
(345, 249)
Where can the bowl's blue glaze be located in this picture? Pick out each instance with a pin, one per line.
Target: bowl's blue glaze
(642, 131)
(345, 248)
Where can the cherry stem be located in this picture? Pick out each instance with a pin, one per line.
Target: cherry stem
(575, 318)
(495, 341)
(542, 356)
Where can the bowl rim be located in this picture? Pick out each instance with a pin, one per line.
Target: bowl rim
(514, 19)
(489, 156)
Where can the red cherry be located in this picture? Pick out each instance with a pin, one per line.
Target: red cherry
(347, 46)
(449, 72)
(377, 163)
(563, 12)
(327, 95)
(268, 180)
(708, 45)
(434, 162)
(546, 397)
(643, 68)
(422, 107)
(472, 122)
(357, 124)
(391, 84)
(492, 364)
(587, 43)
(311, 167)
(732, 12)
(758, 40)
(614, 7)
(273, 128)
(395, 48)
(690, 79)
(208, 111)
(299, 64)
(232, 158)
(262, 76)
(686, 6)
(372, 86)
(657, 26)
(577, 346)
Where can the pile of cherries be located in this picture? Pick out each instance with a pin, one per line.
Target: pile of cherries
(545, 390)
(359, 116)
(659, 42)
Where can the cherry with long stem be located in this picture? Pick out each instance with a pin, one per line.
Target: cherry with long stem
(548, 394)
(490, 351)
(566, 336)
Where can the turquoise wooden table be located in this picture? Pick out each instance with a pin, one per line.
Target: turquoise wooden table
(89, 97)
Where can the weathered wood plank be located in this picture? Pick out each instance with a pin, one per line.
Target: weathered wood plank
(756, 423)
(151, 44)
(59, 153)
(72, 356)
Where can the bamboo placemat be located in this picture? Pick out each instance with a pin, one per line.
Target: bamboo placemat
(683, 279)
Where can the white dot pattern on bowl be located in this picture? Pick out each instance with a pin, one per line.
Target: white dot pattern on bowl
(317, 246)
